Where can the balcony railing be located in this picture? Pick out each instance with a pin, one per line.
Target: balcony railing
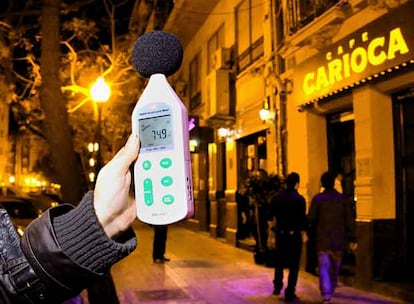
(250, 55)
(302, 12)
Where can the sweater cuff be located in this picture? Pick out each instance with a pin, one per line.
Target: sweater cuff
(84, 241)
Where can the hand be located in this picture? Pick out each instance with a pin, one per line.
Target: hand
(353, 246)
(114, 207)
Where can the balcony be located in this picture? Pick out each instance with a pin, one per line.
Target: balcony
(314, 23)
(301, 13)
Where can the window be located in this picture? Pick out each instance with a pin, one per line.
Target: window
(249, 32)
(302, 12)
(214, 43)
(195, 82)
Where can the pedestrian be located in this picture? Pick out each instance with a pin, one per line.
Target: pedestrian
(69, 247)
(257, 191)
(288, 215)
(243, 212)
(311, 252)
(330, 213)
(159, 244)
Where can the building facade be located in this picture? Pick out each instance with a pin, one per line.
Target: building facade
(351, 70)
(335, 79)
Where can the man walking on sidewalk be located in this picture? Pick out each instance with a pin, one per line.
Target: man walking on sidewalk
(289, 209)
(331, 215)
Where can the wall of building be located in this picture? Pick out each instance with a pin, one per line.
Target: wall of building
(374, 142)
(311, 49)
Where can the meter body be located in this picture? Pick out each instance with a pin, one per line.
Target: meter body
(162, 172)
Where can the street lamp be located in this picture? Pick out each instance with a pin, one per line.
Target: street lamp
(100, 93)
(265, 113)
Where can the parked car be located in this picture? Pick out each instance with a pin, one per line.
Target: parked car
(22, 211)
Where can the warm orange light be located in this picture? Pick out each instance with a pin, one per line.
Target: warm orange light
(100, 90)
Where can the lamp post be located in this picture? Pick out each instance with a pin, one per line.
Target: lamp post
(100, 93)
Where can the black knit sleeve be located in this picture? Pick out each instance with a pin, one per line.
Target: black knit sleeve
(84, 241)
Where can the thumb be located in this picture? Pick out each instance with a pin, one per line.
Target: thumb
(126, 156)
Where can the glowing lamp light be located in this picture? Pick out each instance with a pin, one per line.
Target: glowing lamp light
(264, 114)
(193, 145)
(93, 147)
(100, 90)
(223, 132)
(91, 177)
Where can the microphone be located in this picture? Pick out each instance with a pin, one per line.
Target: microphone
(157, 52)
(162, 172)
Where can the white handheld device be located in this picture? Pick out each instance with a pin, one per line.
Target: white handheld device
(162, 172)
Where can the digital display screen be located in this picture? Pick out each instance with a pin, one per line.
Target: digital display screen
(156, 131)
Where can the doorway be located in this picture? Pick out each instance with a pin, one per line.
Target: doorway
(252, 158)
(404, 157)
(341, 149)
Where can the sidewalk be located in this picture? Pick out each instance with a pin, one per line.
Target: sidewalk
(206, 270)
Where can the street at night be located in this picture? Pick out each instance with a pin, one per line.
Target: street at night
(206, 270)
(244, 122)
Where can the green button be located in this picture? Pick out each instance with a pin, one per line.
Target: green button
(148, 193)
(166, 181)
(146, 165)
(165, 162)
(148, 199)
(168, 199)
(147, 185)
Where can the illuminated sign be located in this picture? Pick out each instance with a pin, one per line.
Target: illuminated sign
(381, 45)
(191, 123)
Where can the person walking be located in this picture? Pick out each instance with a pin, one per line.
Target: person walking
(159, 244)
(330, 213)
(311, 253)
(288, 212)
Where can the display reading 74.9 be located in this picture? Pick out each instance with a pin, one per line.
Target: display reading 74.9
(159, 134)
(156, 132)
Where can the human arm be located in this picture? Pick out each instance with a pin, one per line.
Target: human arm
(67, 248)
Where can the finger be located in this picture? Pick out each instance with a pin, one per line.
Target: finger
(126, 156)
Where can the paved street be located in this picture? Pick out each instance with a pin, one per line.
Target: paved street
(206, 270)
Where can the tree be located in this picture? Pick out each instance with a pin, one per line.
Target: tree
(83, 59)
(56, 123)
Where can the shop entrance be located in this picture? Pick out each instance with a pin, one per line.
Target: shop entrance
(404, 156)
(252, 156)
(341, 149)
(341, 160)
